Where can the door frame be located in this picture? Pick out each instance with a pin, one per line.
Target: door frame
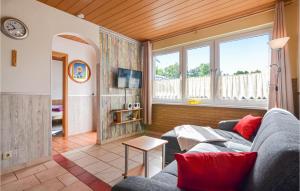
(60, 56)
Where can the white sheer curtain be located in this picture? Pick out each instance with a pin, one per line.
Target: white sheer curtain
(280, 57)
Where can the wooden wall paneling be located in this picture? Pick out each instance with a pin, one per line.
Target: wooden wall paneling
(166, 117)
(117, 52)
(25, 130)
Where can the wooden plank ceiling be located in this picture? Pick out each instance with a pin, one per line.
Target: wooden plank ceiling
(157, 19)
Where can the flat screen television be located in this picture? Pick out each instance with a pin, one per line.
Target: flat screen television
(129, 78)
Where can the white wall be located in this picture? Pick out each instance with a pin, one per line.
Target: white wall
(78, 51)
(32, 74)
(57, 80)
(30, 81)
(81, 111)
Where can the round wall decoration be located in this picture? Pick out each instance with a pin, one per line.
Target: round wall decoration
(14, 28)
(79, 71)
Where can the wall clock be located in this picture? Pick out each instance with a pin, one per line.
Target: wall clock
(14, 28)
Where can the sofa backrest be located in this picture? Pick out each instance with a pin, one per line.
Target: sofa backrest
(277, 143)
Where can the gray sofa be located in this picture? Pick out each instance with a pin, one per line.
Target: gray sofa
(277, 143)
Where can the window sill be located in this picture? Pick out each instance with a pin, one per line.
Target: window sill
(213, 105)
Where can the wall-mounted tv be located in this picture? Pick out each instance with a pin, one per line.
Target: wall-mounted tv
(129, 78)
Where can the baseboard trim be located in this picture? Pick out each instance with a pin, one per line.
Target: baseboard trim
(154, 133)
(25, 165)
(118, 138)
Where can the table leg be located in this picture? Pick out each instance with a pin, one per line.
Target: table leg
(146, 164)
(126, 161)
(163, 156)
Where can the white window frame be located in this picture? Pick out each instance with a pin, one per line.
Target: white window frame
(159, 53)
(214, 45)
(243, 103)
(210, 44)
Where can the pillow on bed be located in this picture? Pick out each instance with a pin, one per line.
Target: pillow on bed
(57, 108)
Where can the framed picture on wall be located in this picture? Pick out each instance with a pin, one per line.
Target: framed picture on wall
(79, 71)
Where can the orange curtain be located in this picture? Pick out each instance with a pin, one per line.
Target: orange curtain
(147, 82)
(281, 61)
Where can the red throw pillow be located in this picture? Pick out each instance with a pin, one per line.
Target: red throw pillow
(247, 126)
(212, 171)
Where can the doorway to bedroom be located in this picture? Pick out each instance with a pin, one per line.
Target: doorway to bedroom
(73, 92)
(59, 94)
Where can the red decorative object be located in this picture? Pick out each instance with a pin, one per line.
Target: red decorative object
(213, 171)
(247, 126)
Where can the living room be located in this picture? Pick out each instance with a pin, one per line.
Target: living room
(148, 91)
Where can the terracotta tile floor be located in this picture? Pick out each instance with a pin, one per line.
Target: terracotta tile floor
(61, 144)
(84, 164)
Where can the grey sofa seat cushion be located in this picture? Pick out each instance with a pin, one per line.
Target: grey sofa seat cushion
(166, 178)
(138, 183)
(278, 146)
(207, 147)
(171, 168)
(235, 141)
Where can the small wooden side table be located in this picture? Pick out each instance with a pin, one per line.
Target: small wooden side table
(145, 144)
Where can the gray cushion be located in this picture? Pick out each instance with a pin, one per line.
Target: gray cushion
(137, 183)
(236, 142)
(207, 147)
(166, 178)
(277, 143)
(172, 146)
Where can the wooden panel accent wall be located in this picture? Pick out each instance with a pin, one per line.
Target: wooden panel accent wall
(116, 52)
(166, 117)
(25, 129)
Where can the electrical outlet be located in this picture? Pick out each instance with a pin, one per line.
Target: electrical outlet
(7, 155)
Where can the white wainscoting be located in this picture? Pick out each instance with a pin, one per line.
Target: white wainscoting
(81, 116)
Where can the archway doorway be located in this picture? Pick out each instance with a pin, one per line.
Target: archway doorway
(79, 100)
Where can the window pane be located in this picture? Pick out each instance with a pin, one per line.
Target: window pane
(244, 67)
(167, 83)
(198, 72)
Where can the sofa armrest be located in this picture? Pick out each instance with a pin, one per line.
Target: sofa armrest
(227, 125)
(138, 183)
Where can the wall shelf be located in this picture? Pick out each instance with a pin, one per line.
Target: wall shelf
(123, 116)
